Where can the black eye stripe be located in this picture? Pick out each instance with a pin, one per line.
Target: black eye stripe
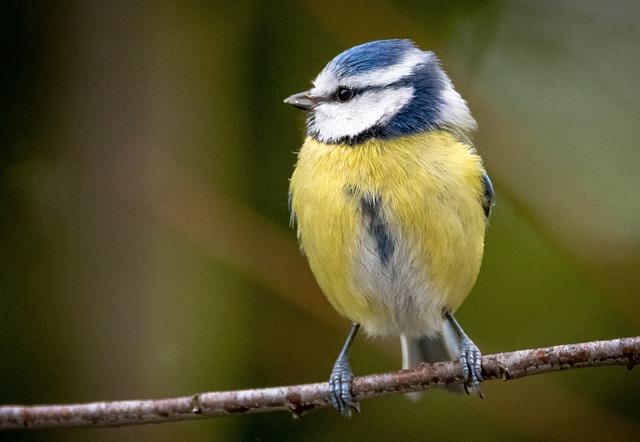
(361, 91)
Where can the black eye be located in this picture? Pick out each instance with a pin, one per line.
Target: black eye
(345, 94)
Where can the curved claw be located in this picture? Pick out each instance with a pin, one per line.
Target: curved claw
(471, 363)
(340, 388)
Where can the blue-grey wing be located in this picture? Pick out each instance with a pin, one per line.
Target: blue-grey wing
(489, 199)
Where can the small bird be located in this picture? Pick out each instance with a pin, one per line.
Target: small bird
(391, 203)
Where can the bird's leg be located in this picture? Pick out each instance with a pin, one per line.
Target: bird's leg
(341, 377)
(469, 358)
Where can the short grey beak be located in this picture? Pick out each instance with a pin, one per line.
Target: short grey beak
(303, 101)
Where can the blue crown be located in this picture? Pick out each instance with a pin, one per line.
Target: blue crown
(372, 55)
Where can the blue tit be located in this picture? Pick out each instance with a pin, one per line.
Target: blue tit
(391, 202)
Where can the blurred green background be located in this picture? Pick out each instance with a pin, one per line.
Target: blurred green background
(144, 242)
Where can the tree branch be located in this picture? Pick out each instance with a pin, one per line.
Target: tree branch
(299, 399)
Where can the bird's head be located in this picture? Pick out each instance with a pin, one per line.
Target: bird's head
(382, 89)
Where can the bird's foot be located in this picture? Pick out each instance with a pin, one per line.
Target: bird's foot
(340, 388)
(471, 362)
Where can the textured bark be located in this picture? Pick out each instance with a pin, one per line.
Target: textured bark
(299, 399)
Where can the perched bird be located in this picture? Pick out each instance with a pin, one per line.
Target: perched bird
(391, 202)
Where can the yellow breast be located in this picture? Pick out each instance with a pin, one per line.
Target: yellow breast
(393, 229)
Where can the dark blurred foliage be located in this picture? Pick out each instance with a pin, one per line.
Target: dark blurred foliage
(144, 242)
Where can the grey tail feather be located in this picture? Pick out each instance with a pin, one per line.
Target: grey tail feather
(442, 346)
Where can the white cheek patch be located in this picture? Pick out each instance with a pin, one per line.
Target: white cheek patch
(335, 120)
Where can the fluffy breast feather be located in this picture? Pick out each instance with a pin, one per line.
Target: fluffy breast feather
(393, 230)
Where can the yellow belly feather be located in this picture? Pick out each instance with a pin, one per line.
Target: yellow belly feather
(430, 190)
